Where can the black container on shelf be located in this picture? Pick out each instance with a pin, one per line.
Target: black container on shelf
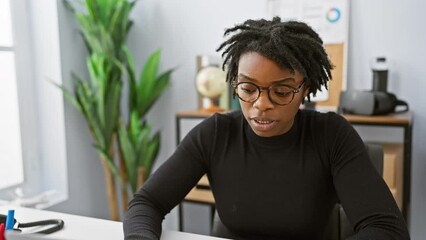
(380, 75)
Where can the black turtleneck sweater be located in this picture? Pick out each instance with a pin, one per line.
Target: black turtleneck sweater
(281, 187)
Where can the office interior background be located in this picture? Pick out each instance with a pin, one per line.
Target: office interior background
(182, 30)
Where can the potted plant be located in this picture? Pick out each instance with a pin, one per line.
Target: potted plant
(104, 26)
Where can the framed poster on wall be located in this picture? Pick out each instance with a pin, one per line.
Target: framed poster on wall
(330, 18)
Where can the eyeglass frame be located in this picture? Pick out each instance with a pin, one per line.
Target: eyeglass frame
(260, 89)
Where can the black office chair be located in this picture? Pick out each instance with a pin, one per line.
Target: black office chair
(338, 227)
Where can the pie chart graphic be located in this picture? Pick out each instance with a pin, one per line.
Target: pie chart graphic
(333, 15)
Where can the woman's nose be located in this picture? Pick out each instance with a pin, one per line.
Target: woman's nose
(263, 102)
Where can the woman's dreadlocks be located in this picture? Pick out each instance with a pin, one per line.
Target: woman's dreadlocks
(292, 45)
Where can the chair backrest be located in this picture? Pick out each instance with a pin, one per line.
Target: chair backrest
(376, 154)
(338, 227)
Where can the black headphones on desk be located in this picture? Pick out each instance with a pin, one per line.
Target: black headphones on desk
(53, 224)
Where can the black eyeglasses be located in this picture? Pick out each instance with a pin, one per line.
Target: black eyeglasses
(279, 94)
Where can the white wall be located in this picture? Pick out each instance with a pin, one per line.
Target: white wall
(49, 100)
(183, 29)
(87, 195)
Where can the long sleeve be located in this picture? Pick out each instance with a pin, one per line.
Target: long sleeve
(168, 186)
(364, 195)
(143, 219)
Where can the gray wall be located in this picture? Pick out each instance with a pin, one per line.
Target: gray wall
(394, 29)
(86, 188)
(183, 29)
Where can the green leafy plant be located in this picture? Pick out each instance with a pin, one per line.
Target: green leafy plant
(138, 149)
(104, 26)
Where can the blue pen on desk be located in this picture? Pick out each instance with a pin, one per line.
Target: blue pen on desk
(10, 220)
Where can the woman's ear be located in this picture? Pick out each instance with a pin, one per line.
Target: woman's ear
(306, 91)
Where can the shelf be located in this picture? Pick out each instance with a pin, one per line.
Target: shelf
(201, 193)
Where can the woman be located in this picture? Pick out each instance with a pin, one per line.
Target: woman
(275, 171)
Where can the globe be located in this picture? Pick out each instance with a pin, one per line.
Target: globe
(211, 82)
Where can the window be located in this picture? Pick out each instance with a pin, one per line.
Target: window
(11, 165)
(32, 126)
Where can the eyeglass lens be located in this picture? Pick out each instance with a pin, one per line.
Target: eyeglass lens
(279, 94)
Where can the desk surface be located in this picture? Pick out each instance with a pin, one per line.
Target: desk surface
(394, 118)
(82, 228)
(195, 114)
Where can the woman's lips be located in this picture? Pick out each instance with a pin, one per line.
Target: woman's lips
(263, 125)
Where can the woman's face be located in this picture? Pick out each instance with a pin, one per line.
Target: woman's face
(266, 118)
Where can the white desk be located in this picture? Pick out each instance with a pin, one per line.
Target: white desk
(82, 228)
